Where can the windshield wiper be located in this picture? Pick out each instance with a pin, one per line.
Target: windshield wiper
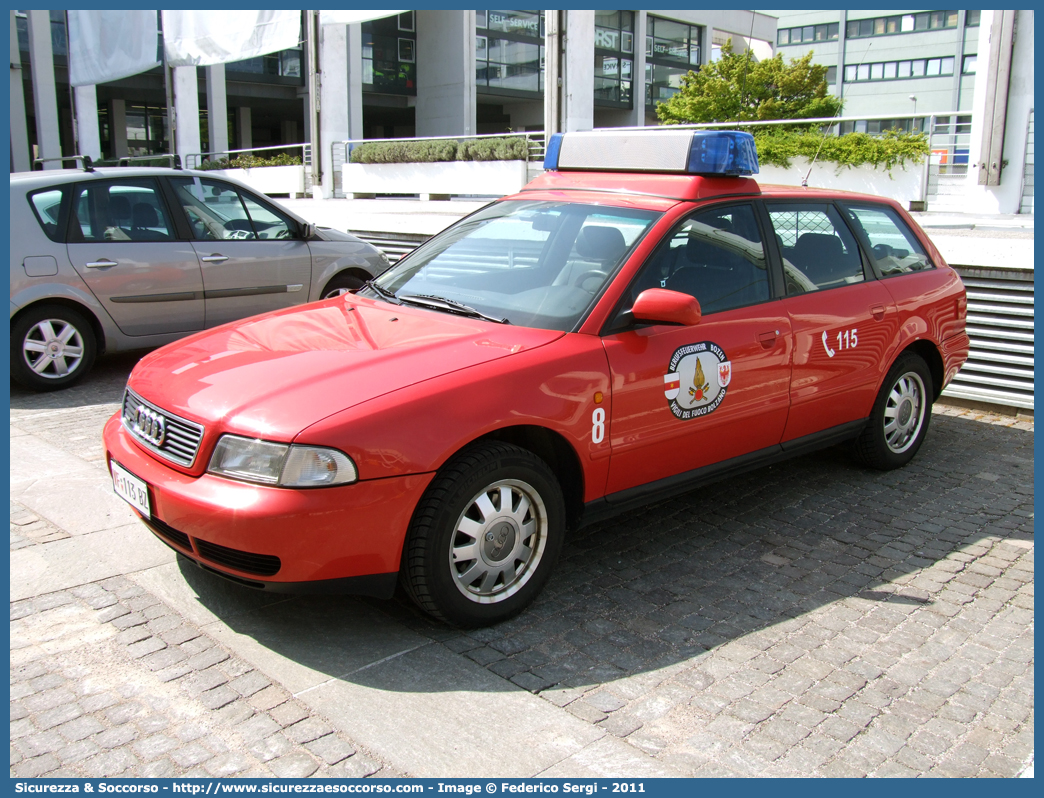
(449, 305)
(383, 293)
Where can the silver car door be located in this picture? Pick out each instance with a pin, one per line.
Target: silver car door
(252, 256)
(125, 248)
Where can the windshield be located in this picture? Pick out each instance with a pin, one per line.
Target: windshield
(531, 263)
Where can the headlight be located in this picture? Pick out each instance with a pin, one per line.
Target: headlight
(280, 464)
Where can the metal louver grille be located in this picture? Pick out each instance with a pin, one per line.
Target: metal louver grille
(1000, 326)
(169, 436)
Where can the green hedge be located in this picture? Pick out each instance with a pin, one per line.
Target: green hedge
(892, 148)
(247, 161)
(509, 148)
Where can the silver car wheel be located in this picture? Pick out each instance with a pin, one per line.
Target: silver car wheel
(53, 348)
(904, 412)
(498, 541)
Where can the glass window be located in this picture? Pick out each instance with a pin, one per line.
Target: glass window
(783, 36)
(904, 69)
(864, 72)
(480, 19)
(406, 21)
(876, 71)
(524, 22)
(921, 21)
(850, 73)
(817, 248)
(535, 263)
(217, 211)
(831, 75)
(970, 63)
(947, 65)
(890, 70)
(716, 256)
(406, 50)
(893, 246)
(971, 18)
(879, 26)
(46, 205)
(933, 66)
(122, 210)
(917, 68)
(908, 23)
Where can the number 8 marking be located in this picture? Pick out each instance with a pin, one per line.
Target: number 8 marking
(598, 425)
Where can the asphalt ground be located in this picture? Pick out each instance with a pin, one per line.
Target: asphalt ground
(811, 618)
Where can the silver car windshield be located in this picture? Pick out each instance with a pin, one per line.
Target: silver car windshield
(531, 263)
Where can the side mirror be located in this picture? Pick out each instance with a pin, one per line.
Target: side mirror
(666, 307)
(307, 231)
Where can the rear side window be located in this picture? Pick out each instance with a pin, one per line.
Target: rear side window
(893, 246)
(121, 210)
(818, 249)
(47, 206)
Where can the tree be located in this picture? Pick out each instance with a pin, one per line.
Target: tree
(736, 88)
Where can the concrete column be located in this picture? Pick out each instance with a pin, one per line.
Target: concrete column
(87, 133)
(841, 40)
(118, 128)
(355, 74)
(334, 109)
(41, 61)
(20, 161)
(446, 96)
(244, 131)
(217, 108)
(578, 71)
(186, 112)
(641, 19)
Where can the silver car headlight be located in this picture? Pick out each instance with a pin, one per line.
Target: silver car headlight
(281, 464)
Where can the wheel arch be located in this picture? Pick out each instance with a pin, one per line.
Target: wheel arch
(71, 304)
(929, 353)
(560, 456)
(351, 271)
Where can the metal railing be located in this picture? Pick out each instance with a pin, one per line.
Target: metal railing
(340, 151)
(195, 160)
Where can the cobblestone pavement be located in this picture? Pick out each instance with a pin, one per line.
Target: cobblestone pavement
(811, 618)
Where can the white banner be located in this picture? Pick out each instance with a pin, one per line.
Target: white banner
(351, 17)
(109, 45)
(205, 38)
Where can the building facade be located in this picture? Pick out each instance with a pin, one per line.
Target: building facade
(416, 73)
(889, 62)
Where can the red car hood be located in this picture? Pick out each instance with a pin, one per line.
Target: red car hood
(273, 375)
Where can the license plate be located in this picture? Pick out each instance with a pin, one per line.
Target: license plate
(128, 487)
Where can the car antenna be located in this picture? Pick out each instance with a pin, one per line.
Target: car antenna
(804, 180)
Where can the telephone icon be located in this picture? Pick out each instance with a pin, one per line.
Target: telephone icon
(826, 346)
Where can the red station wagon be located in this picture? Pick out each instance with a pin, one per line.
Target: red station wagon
(607, 337)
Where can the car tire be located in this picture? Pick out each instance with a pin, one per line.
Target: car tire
(52, 347)
(900, 417)
(340, 283)
(485, 536)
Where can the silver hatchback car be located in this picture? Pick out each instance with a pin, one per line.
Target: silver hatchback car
(111, 259)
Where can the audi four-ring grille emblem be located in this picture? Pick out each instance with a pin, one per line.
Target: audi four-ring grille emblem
(169, 436)
(150, 425)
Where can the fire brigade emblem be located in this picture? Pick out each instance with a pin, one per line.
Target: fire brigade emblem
(690, 392)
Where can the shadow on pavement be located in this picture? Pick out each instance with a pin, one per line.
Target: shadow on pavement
(103, 385)
(659, 586)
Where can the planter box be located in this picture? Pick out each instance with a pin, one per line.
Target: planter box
(269, 179)
(431, 180)
(903, 184)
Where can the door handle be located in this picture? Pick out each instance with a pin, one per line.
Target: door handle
(878, 311)
(104, 263)
(215, 258)
(768, 339)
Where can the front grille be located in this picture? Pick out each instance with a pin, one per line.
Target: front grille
(171, 437)
(245, 561)
(169, 533)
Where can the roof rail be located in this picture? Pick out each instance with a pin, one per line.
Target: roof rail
(175, 160)
(85, 160)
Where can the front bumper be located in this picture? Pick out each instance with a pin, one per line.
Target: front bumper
(341, 539)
